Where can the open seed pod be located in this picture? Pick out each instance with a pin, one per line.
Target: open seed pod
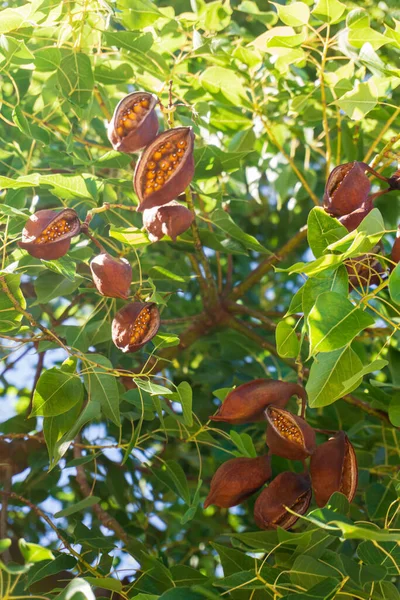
(134, 123)
(287, 489)
(112, 276)
(289, 436)
(135, 325)
(170, 219)
(364, 271)
(165, 168)
(333, 468)
(47, 234)
(237, 479)
(353, 219)
(247, 402)
(347, 188)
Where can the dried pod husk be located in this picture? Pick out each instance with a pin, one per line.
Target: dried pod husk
(333, 468)
(289, 436)
(347, 189)
(364, 271)
(134, 123)
(171, 219)
(165, 168)
(287, 489)
(111, 276)
(47, 234)
(395, 255)
(247, 402)
(237, 479)
(353, 219)
(135, 325)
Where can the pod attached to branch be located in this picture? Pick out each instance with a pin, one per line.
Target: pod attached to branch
(287, 489)
(347, 188)
(134, 123)
(47, 234)
(289, 436)
(237, 479)
(171, 219)
(333, 468)
(135, 325)
(247, 402)
(112, 276)
(165, 168)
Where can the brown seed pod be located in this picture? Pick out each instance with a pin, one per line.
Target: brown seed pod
(165, 168)
(347, 188)
(112, 276)
(353, 219)
(247, 402)
(333, 468)
(237, 479)
(287, 489)
(394, 181)
(47, 234)
(170, 219)
(289, 436)
(364, 271)
(134, 123)
(135, 325)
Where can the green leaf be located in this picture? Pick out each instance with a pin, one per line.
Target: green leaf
(69, 187)
(186, 398)
(75, 78)
(77, 589)
(394, 284)
(329, 11)
(49, 567)
(364, 238)
(34, 553)
(56, 392)
(358, 36)
(334, 322)
(359, 102)
(54, 429)
(316, 266)
(4, 544)
(181, 593)
(49, 286)
(132, 236)
(394, 410)
(308, 572)
(101, 385)
(296, 14)
(10, 319)
(327, 376)
(331, 280)
(78, 507)
(323, 230)
(222, 220)
(218, 80)
(129, 40)
(139, 14)
(244, 443)
(287, 342)
(105, 583)
(13, 18)
(172, 474)
(25, 181)
(376, 365)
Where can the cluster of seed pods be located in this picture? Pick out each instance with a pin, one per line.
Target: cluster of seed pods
(347, 197)
(332, 468)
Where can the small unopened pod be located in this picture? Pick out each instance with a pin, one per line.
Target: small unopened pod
(333, 468)
(289, 436)
(47, 234)
(111, 276)
(364, 271)
(135, 325)
(347, 188)
(237, 479)
(134, 123)
(171, 219)
(247, 402)
(165, 168)
(287, 489)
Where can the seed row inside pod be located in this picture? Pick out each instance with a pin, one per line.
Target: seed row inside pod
(54, 231)
(285, 427)
(140, 326)
(162, 165)
(131, 116)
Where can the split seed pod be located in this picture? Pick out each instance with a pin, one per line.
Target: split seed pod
(353, 219)
(364, 271)
(246, 403)
(171, 219)
(289, 436)
(47, 234)
(287, 489)
(165, 168)
(237, 479)
(112, 276)
(134, 123)
(135, 325)
(333, 468)
(347, 188)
